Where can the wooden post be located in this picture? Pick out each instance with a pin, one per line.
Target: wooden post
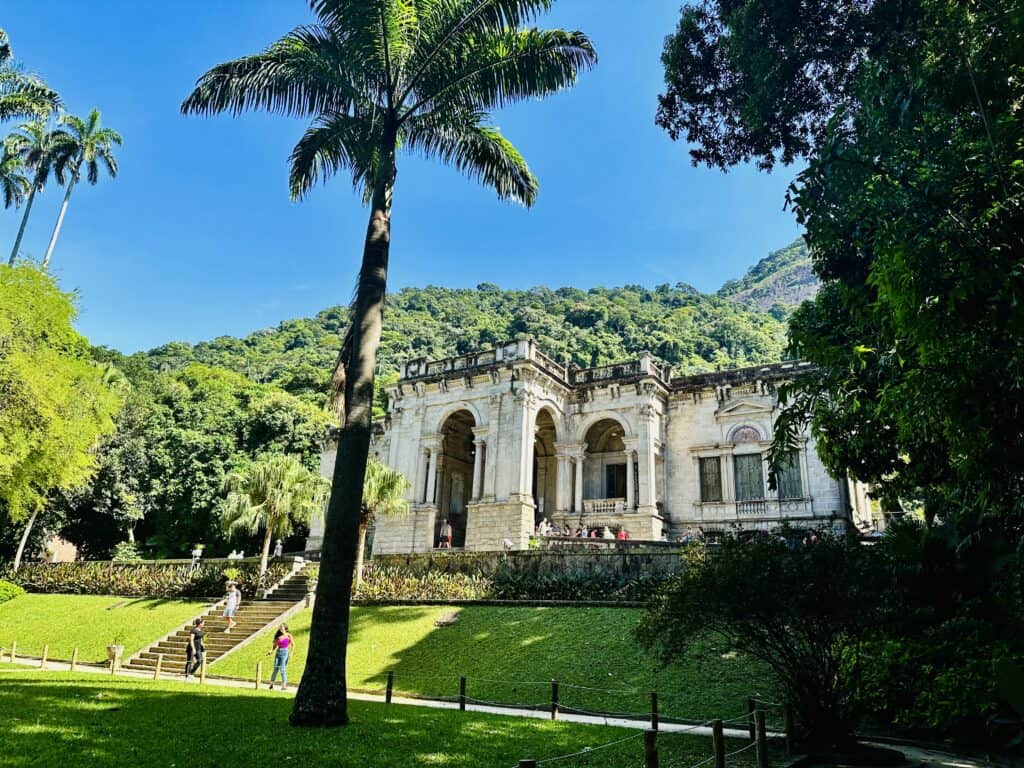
(462, 694)
(202, 671)
(259, 674)
(74, 658)
(113, 663)
(718, 740)
(46, 652)
(554, 699)
(14, 650)
(159, 666)
(651, 749)
(527, 764)
(391, 687)
(761, 739)
(751, 706)
(654, 710)
(790, 729)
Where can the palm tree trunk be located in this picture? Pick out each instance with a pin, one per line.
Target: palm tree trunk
(360, 551)
(60, 220)
(321, 698)
(24, 540)
(265, 556)
(24, 223)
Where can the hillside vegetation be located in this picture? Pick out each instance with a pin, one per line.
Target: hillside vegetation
(693, 331)
(777, 283)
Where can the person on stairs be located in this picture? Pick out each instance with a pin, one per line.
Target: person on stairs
(195, 649)
(281, 649)
(232, 602)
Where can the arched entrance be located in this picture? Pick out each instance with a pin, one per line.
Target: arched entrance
(545, 467)
(455, 473)
(607, 485)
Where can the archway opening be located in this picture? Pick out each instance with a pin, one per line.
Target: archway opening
(604, 465)
(455, 475)
(545, 467)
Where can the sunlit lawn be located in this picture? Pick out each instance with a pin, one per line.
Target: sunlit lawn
(87, 720)
(88, 622)
(510, 655)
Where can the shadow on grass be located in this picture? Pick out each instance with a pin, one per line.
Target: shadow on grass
(59, 720)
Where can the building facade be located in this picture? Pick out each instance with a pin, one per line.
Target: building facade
(496, 441)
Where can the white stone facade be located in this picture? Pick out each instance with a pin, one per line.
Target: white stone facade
(498, 440)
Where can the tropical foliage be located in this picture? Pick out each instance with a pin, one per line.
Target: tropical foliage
(23, 95)
(383, 495)
(272, 495)
(376, 77)
(57, 402)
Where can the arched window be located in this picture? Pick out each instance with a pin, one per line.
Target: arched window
(745, 434)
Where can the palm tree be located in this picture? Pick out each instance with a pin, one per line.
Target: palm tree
(22, 95)
(40, 150)
(272, 494)
(91, 146)
(383, 494)
(374, 76)
(14, 184)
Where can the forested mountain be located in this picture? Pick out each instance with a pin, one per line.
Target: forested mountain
(777, 283)
(693, 331)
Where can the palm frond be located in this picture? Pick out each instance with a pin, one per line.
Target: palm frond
(306, 73)
(478, 151)
(384, 490)
(334, 142)
(14, 184)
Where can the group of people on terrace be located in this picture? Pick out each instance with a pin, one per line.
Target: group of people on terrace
(546, 528)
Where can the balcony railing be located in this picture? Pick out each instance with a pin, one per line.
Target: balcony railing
(604, 506)
(719, 511)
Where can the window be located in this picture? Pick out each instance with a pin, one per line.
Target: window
(615, 481)
(711, 479)
(749, 477)
(788, 478)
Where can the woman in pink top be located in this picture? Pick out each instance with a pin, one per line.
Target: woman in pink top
(281, 650)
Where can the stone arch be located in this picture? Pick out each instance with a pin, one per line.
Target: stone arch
(544, 485)
(605, 466)
(594, 418)
(745, 433)
(455, 471)
(453, 408)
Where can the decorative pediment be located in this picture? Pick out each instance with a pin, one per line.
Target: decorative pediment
(743, 409)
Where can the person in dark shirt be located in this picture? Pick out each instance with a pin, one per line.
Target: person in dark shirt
(195, 649)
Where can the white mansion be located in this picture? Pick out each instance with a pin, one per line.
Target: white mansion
(498, 440)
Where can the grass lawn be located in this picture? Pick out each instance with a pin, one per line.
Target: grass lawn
(89, 622)
(53, 718)
(510, 655)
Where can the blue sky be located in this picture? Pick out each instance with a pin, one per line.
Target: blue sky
(197, 238)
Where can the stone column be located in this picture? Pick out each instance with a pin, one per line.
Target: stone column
(646, 449)
(476, 492)
(422, 467)
(630, 443)
(431, 477)
(578, 504)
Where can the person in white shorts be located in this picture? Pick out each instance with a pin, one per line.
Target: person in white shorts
(234, 599)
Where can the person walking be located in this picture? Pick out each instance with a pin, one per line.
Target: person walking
(281, 649)
(231, 604)
(195, 650)
(278, 548)
(446, 535)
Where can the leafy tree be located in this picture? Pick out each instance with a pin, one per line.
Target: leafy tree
(90, 146)
(40, 151)
(376, 76)
(22, 95)
(271, 495)
(56, 401)
(383, 494)
(803, 611)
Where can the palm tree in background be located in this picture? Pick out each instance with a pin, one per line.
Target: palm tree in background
(14, 184)
(41, 150)
(375, 76)
(23, 96)
(91, 147)
(383, 494)
(271, 495)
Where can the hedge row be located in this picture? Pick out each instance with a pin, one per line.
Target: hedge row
(142, 580)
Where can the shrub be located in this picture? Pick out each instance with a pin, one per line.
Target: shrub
(9, 591)
(383, 583)
(512, 584)
(125, 552)
(137, 580)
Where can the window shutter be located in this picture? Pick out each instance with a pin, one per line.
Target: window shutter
(749, 477)
(790, 483)
(711, 479)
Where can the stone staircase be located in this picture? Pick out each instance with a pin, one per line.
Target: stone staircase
(252, 617)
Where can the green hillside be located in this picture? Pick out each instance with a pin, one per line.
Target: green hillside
(777, 283)
(693, 331)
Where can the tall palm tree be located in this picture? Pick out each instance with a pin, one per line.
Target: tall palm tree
(92, 146)
(23, 96)
(40, 150)
(375, 76)
(272, 494)
(383, 494)
(14, 184)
